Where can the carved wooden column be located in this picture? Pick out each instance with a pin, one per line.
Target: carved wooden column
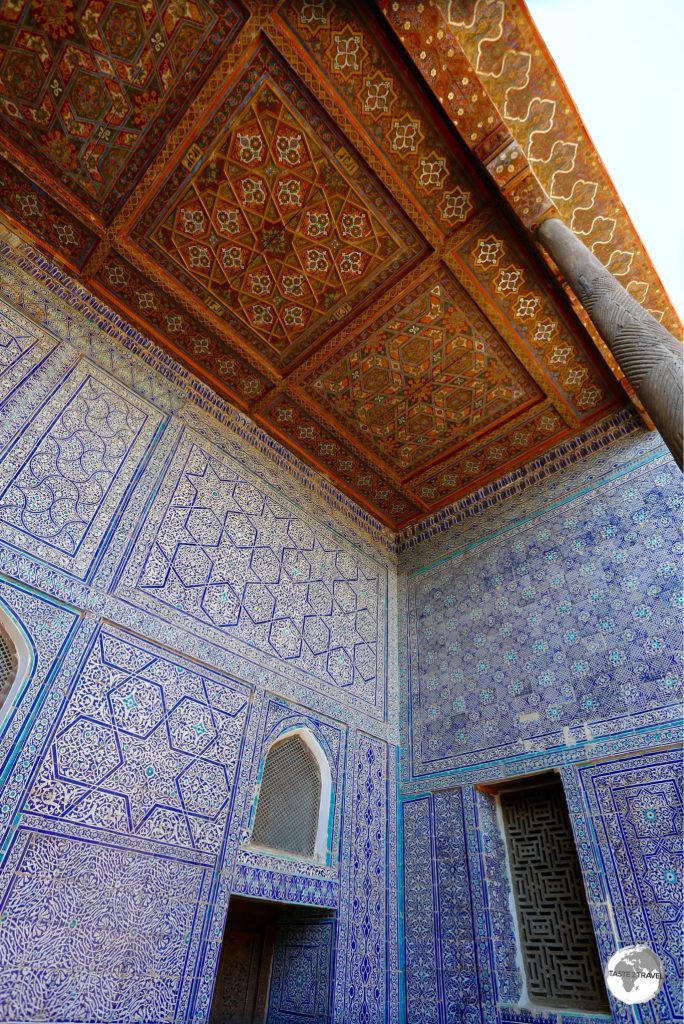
(651, 359)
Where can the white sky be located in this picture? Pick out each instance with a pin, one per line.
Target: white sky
(623, 62)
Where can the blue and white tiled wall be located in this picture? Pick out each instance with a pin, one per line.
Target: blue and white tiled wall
(182, 610)
(189, 591)
(543, 632)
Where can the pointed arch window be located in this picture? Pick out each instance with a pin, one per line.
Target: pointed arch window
(15, 661)
(293, 805)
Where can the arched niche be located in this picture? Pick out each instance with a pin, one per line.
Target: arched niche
(292, 809)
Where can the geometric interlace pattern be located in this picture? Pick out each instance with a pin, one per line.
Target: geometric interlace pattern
(89, 89)
(60, 488)
(234, 559)
(144, 747)
(426, 377)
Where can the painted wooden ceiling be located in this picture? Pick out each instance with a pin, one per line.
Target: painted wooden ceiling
(322, 208)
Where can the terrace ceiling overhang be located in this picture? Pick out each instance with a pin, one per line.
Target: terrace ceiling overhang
(322, 209)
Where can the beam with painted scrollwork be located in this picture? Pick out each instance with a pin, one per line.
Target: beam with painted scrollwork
(649, 356)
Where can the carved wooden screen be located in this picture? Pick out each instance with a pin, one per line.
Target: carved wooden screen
(235, 992)
(289, 800)
(558, 945)
(8, 664)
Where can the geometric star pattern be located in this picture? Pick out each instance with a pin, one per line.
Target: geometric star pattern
(243, 566)
(277, 226)
(427, 376)
(91, 88)
(144, 746)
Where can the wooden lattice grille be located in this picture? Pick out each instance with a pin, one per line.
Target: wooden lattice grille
(8, 664)
(289, 800)
(558, 945)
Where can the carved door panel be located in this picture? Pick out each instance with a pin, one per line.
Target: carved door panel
(301, 975)
(238, 976)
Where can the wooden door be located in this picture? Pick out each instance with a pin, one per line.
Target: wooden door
(238, 976)
(241, 990)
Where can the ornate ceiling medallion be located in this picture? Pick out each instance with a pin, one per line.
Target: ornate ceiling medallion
(426, 375)
(273, 221)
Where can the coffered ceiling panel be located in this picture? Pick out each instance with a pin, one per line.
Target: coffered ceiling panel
(89, 88)
(426, 375)
(334, 238)
(271, 219)
(189, 338)
(364, 69)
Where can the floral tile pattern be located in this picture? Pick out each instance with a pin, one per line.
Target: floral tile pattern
(74, 970)
(636, 805)
(571, 625)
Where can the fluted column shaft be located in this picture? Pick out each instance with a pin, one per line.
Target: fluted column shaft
(651, 359)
